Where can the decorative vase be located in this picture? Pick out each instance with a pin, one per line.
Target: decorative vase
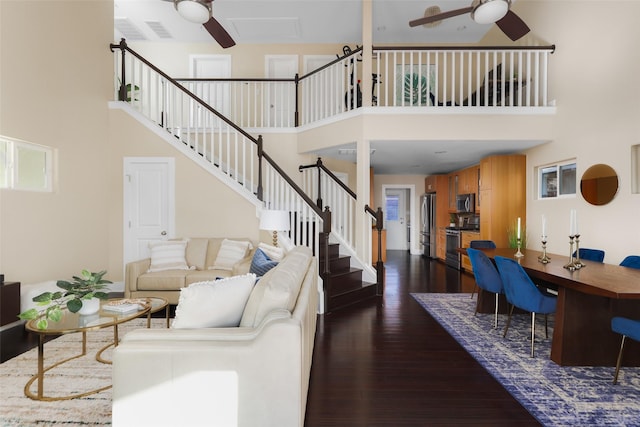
(89, 306)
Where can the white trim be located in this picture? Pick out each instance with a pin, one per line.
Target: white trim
(413, 249)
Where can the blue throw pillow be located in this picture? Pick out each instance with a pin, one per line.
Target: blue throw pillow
(261, 263)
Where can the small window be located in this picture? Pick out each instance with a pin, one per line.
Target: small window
(25, 166)
(391, 208)
(557, 180)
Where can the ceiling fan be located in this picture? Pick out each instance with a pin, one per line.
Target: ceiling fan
(484, 12)
(200, 12)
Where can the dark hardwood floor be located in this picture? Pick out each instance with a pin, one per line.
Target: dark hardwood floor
(386, 362)
(389, 363)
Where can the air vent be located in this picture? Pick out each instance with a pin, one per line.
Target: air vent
(127, 29)
(159, 29)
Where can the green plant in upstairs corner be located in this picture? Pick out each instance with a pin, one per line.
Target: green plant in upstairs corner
(84, 287)
(512, 235)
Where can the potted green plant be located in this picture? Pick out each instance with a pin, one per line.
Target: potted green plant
(85, 289)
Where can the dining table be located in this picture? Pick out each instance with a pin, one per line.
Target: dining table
(588, 298)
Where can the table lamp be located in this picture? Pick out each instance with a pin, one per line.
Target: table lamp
(274, 220)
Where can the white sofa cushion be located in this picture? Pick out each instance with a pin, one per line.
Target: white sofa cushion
(230, 253)
(213, 304)
(168, 255)
(278, 289)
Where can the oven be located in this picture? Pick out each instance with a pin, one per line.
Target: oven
(452, 257)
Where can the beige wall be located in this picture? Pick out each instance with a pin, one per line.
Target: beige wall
(55, 80)
(595, 80)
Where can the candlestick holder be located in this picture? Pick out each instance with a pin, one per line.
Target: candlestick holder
(519, 254)
(544, 258)
(577, 262)
(571, 265)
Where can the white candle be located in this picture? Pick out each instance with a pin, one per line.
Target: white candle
(575, 222)
(572, 222)
(518, 227)
(544, 226)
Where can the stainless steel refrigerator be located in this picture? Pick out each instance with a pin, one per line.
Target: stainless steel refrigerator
(428, 224)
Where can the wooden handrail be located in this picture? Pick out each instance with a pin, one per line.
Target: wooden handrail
(552, 48)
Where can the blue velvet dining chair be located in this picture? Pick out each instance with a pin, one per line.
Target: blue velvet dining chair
(480, 244)
(487, 277)
(632, 261)
(591, 254)
(627, 328)
(521, 292)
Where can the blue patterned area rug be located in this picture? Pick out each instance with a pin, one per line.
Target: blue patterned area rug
(555, 395)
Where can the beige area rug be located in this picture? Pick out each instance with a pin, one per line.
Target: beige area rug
(76, 376)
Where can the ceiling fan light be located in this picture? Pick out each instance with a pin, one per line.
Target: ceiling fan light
(490, 11)
(193, 11)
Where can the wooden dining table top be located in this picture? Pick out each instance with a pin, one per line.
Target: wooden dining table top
(595, 278)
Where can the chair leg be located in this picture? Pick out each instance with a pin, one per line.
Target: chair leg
(615, 376)
(533, 331)
(546, 326)
(506, 328)
(474, 290)
(495, 322)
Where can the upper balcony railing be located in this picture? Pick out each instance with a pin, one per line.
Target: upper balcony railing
(487, 77)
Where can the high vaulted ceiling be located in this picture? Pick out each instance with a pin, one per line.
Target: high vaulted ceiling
(297, 21)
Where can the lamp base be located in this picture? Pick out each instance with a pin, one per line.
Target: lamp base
(275, 238)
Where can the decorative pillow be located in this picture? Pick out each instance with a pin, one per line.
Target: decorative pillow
(261, 263)
(213, 304)
(231, 252)
(168, 255)
(275, 253)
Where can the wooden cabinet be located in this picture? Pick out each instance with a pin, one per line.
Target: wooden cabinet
(465, 239)
(453, 190)
(502, 196)
(431, 184)
(441, 243)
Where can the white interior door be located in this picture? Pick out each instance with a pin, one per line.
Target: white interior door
(216, 94)
(395, 219)
(281, 98)
(149, 204)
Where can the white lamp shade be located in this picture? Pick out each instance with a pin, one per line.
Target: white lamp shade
(490, 11)
(274, 220)
(193, 11)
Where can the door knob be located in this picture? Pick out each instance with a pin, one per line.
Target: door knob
(164, 233)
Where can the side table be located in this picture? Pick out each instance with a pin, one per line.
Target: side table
(9, 302)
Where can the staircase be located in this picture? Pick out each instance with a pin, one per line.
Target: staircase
(344, 285)
(237, 159)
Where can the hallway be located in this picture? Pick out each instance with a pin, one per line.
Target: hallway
(388, 363)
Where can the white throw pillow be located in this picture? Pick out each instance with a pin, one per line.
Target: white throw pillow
(213, 304)
(168, 255)
(273, 252)
(230, 253)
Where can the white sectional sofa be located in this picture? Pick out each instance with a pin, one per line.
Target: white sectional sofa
(256, 374)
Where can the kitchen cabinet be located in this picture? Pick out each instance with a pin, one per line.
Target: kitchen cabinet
(465, 240)
(441, 243)
(468, 180)
(503, 196)
(453, 190)
(439, 184)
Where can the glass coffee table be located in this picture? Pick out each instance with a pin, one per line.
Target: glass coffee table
(73, 322)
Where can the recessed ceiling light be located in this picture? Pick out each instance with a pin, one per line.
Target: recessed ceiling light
(440, 152)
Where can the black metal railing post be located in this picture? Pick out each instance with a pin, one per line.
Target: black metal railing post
(122, 90)
(296, 116)
(260, 153)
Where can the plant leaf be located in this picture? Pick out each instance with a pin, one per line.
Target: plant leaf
(42, 324)
(74, 305)
(55, 315)
(43, 298)
(29, 314)
(101, 295)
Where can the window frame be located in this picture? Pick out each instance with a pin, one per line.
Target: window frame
(540, 180)
(9, 165)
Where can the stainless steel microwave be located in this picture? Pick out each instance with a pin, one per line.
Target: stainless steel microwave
(466, 203)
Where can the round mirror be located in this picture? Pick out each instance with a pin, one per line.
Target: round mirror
(599, 184)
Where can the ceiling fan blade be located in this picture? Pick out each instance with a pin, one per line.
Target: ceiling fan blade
(440, 16)
(513, 26)
(218, 32)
